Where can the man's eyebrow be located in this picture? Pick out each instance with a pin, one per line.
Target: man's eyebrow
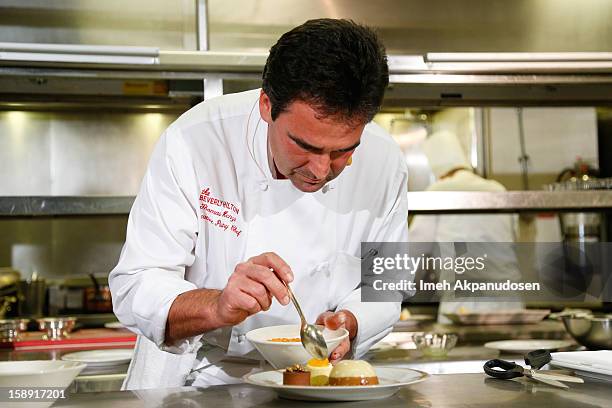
(305, 145)
(348, 149)
(316, 149)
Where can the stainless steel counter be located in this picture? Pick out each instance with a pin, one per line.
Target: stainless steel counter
(452, 390)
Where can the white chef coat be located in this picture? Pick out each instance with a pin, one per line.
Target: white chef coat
(485, 228)
(208, 201)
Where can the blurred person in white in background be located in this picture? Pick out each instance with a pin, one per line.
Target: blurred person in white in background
(453, 172)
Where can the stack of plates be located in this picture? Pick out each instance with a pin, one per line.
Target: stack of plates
(593, 364)
(109, 361)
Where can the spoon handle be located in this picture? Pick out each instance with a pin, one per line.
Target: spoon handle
(296, 304)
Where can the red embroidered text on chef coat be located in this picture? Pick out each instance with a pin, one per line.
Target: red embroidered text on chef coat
(220, 213)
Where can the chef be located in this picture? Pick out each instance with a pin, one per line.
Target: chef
(449, 164)
(246, 191)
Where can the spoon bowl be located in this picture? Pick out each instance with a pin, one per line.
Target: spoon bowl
(311, 335)
(313, 341)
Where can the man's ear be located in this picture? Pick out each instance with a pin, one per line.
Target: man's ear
(265, 107)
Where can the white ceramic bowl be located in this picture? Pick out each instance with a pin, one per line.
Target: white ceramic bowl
(38, 374)
(284, 354)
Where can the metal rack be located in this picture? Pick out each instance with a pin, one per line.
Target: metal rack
(433, 202)
(507, 202)
(36, 206)
(422, 80)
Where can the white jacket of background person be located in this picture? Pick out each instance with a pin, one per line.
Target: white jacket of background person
(454, 173)
(208, 201)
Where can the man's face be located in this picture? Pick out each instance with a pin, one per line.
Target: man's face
(307, 149)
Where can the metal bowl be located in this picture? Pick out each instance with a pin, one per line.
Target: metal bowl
(11, 329)
(56, 327)
(591, 331)
(435, 344)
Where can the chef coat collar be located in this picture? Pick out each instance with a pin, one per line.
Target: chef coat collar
(257, 142)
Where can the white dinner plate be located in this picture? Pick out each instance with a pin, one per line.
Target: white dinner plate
(525, 346)
(395, 340)
(391, 380)
(522, 316)
(101, 358)
(114, 325)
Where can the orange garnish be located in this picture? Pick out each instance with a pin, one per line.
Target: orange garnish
(286, 339)
(314, 362)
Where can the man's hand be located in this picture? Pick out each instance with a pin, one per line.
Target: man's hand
(251, 287)
(334, 321)
(249, 290)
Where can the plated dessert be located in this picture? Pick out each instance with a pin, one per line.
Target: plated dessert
(321, 373)
(296, 375)
(353, 372)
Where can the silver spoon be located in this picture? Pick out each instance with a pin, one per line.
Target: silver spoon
(311, 336)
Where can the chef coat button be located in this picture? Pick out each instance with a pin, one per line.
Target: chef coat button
(326, 188)
(241, 338)
(263, 186)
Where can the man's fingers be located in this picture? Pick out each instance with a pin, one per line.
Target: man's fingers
(271, 282)
(339, 352)
(276, 263)
(259, 292)
(247, 302)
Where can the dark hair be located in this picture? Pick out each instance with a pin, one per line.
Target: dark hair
(337, 66)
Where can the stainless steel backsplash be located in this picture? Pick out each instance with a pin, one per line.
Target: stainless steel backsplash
(71, 153)
(406, 26)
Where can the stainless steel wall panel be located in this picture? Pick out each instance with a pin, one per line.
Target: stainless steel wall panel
(58, 248)
(25, 146)
(69, 153)
(103, 153)
(166, 24)
(421, 26)
(406, 26)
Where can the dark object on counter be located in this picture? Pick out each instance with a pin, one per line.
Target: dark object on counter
(591, 331)
(9, 291)
(32, 298)
(97, 299)
(538, 358)
(506, 370)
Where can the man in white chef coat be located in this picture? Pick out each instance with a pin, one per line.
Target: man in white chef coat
(247, 190)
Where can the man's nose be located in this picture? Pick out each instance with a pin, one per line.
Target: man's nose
(320, 165)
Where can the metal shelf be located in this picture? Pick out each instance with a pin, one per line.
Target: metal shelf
(22, 206)
(420, 202)
(447, 79)
(434, 202)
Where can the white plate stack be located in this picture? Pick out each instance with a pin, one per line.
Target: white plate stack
(593, 364)
(107, 361)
